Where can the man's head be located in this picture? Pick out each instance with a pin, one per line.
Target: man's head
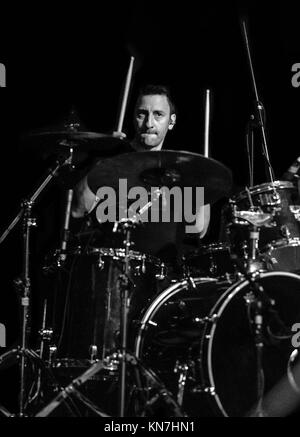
(154, 116)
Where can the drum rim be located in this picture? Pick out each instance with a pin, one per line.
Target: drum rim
(281, 242)
(215, 314)
(265, 187)
(119, 252)
(209, 249)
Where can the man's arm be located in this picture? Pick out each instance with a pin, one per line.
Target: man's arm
(84, 199)
(202, 220)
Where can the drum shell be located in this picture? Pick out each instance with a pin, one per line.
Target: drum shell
(87, 314)
(213, 260)
(282, 255)
(280, 236)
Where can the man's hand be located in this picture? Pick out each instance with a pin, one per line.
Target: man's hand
(119, 135)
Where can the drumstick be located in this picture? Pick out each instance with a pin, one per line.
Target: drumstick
(125, 96)
(206, 130)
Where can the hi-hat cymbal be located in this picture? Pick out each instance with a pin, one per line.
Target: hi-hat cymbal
(163, 168)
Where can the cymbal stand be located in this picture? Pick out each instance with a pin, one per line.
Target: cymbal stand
(72, 389)
(125, 302)
(23, 283)
(258, 105)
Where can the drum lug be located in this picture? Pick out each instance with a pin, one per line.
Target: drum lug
(100, 262)
(213, 318)
(249, 298)
(210, 390)
(190, 282)
(206, 319)
(295, 209)
(46, 334)
(93, 351)
(143, 264)
(111, 362)
(162, 272)
(141, 268)
(52, 354)
(285, 232)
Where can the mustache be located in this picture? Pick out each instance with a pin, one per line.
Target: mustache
(147, 131)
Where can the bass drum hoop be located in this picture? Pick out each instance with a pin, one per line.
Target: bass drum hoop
(215, 315)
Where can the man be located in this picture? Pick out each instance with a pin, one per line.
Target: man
(154, 117)
(88, 317)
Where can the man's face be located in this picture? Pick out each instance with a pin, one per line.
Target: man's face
(152, 120)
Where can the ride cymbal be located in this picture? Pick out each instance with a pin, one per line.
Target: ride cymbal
(163, 168)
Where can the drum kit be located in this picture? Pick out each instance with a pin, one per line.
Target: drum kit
(124, 334)
(129, 337)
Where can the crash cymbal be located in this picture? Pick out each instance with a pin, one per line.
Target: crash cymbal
(59, 139)
(163, 168)
(71, 133)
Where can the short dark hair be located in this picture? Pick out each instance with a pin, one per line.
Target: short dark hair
(150, 89)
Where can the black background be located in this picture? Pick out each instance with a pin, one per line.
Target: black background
(56, 59)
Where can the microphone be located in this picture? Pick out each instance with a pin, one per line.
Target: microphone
(292, 170)
(65, 232)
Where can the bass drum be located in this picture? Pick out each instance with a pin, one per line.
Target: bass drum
(207, 357)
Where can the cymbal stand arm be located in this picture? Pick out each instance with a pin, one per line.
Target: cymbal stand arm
(47, 180)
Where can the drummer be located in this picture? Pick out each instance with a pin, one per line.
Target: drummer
(154, 117)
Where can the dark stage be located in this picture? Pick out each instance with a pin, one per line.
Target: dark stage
(57, 61)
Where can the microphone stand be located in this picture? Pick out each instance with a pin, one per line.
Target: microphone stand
(250, 149)
(23, 283)
(258, 107)
(260, 302)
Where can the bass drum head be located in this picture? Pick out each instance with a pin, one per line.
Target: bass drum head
(228, 352)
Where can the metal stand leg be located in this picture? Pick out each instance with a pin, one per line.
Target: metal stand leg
(124, 280)
(71, 389)
(23, 284)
